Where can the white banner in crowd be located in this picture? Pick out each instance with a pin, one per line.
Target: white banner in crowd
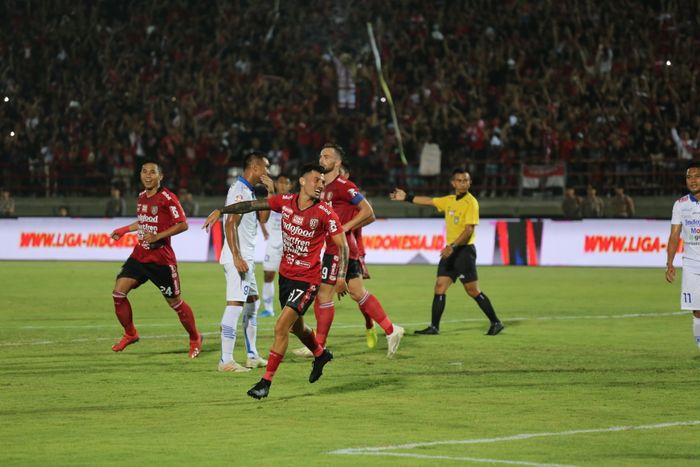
(606, 242)
(52, 238)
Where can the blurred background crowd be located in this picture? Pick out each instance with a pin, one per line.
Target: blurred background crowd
(91, 89)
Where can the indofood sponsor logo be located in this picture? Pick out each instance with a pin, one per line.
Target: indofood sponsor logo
(298, 231)
(145, 218)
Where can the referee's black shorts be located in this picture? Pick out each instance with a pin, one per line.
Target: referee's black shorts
(460, 264)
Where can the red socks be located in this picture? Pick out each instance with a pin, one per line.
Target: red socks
(310, 342)
(184, 312)
(370, 306)
(122, 308)
(273, 361)
(325, 312)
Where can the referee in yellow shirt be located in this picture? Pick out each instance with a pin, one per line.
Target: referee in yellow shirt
(458, 258)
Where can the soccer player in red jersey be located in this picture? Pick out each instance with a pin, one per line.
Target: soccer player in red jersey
(159, 217)
(353, 211)
(306, 222)
(345, 172)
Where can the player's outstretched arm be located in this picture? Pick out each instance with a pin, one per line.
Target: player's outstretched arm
(236, 208)
(671, 249)
(399, 195)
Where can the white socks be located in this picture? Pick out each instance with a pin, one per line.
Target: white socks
(269, 295)
(696, 329)
(229, 322)
(250, 327)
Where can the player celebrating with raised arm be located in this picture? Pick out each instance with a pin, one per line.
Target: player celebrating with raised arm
(306, 221)
(238, 260)
(458, 258)
(353, 211)
(684, 221)
(159, 217)
(273, 249)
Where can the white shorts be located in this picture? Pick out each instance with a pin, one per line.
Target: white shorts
(273, 256)
(690, 290)
(240, 286)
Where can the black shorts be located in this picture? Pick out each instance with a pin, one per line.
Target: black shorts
(329, 269)
(297, 295)
(460, 264)
(164, 276)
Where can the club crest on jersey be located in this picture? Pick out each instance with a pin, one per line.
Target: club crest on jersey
(154, 210)
(298, 220)
(313, 223)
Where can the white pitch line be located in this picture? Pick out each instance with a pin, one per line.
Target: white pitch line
(335, 326)
(459, 458)
(98, 339)
(347, 326)
(385, 450)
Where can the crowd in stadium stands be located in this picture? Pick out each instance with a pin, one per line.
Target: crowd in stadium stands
(92, 88)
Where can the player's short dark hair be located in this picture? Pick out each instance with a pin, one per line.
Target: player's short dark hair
(457, 171)
(338, 149)
(283, 174)
(252, 157)
(154, 162)
(693, 165)
(306, 168)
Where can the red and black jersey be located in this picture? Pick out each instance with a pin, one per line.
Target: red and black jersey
(343, 196)
(303, 235)
(156, 214)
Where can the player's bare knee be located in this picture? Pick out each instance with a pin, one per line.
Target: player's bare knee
(357, 294)
(472, 289)
(696, 313)
(175, 302)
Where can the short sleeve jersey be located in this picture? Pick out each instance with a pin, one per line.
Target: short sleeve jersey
(343, 196)
(157, 214)
(303, 235)
(686, 212)
(240, 191)
(459, 213)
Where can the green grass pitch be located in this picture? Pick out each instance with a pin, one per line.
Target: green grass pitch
(584, 351)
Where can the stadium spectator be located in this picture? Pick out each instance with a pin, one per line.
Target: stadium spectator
(116, 205)
(572, 203)
(458, 258)
(193, 89)
(300, 271)
(683, 222)
(7, 204)
(621, 204)
(160, 216)
(238, 261)
(189, 205)
(592, 205)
